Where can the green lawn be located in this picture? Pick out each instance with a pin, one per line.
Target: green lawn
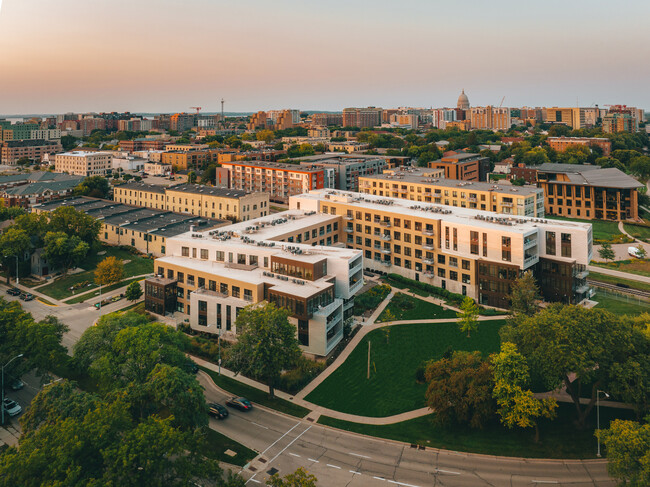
(638, 231)
(632, 266)
(597, 276)
(60, 288)
(558, 439)
(218, 444)
(105, 289)
(405, 307)
(392, 388)
(620, 305)
(604, 231)
(255, 395)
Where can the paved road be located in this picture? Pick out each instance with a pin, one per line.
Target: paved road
(338, 458)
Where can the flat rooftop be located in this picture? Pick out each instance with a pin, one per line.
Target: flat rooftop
(208, 190)
(151, 188)
(80, 153)
(420, 178)
(452, 214)
(274, 165)
(556, 167)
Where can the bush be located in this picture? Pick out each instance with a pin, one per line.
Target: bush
(449, 297)
(371, 298)
(295, 379)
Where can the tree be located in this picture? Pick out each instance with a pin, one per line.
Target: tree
(265, 135)
(571, 346)
(628, 452)
(93, 186)
(299, 478)
(267, 343)
(35, 225)
(191, 177)
(64, 251)
(524, 295)
(133, 291)
(209, 176)
(14, 242)
(641, 252)
(606, 252)
(459, 389)
(516, 404)
(468, 317)
(74, 222)
(109, 271)
(69, 142)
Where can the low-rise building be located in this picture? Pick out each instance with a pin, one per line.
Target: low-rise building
(144, 229)
(280, 180)
(467, 251)
(349, 146)
(28, 195)
(157, 169)
(418, 184)
(348, 170)
(465, 166)
(560, 144)
(195, 199)
(128, 163)
(34, 150)
(83, 163)
(588, 192)
(211, 275)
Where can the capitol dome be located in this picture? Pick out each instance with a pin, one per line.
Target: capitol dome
(463, 101)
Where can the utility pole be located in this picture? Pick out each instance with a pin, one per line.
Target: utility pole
(368, 377)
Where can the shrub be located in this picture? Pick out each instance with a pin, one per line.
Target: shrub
(295, 379)
(371, 298)
(449, 297)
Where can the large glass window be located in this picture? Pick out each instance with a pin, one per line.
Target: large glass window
(550, 243)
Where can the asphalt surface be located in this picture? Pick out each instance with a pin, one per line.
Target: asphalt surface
(339, 458)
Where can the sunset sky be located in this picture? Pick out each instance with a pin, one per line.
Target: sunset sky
(168, 55)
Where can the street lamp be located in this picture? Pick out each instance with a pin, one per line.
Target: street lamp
(598, 416)
(3, 386)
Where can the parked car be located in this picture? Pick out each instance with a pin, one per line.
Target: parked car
(26, 296)
(12, 408)
(14, 291)
(240, 403)
(16, 384)
(217, 410)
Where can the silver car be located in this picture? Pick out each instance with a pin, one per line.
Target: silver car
(12, 408)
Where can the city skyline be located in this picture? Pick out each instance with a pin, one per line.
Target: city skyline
(165, 56)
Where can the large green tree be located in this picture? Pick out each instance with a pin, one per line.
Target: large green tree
(459, 389)
(266, 345)
(299, 478)
(628, 452)
(93, 186)
(468, 316)
(571, 346)
(74, 222)
(63, 250)
(14, 242)
(524, 295)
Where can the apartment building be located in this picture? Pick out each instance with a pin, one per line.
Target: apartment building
(183, 160)
(588, 192)
(12, 151)
(28, 195)
(287, 259)
(362, 117)
(465, 166)
(82, 163)
(327, 119)
(561, 144)
(418, 184)
(470, 252)
(490, 118)
(348, 170)
(279, 180)
(574, 117)
(180, 122)
(143, 145)
(615, 122)
(195, 199)
(348, 146)
(144, 229)
(405, 120)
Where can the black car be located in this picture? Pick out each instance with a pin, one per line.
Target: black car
(14, 291)
(16, 384)
(217, 410)
(240, 403)
(26, 296)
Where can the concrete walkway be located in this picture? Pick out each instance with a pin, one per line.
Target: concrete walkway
(615, 273)
(621, 229)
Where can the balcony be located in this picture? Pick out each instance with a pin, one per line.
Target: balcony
(428, 261)
(349, 229)
(428, 246)
(387, 263)
(429, 233)
(530, 260)
(429, 275)
(385, 223)
(529, 243)
(385, 251)
(386, 237)
(348, 217)
(329, 309)
(507, 204)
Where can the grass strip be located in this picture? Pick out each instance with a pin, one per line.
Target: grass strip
(90, 295)
(597, 276)
(218, 444)
(240, 389)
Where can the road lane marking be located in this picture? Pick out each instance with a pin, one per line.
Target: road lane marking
(380, 478)
(260, 425)
(294, 455)
(256, 481)
(544, 481)
(272, 444)
(354, 472)
(290, 430)
(312, 460)
(357, 455)
(401, 483)
(333, 466)
(447, 471)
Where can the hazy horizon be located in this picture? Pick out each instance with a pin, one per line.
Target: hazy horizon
(166, 56)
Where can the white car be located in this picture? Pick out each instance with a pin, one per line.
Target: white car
(12, 408)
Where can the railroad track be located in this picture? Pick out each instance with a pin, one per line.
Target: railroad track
(614, 287)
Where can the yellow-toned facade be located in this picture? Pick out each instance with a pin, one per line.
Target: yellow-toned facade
(241, 208)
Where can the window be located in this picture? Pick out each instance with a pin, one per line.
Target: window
(485, 245)
(453, 275)
(220, 256)
(466, 265)
(441, 259)
(505, 249)
(473, 237)
(566, 245)
(180, 277)
(204, 254)
(185, 251)
(550, 243)
(441, 272)
(201, 282)
(235, 291)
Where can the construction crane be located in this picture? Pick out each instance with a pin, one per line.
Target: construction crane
(198, 109)
(502, 100)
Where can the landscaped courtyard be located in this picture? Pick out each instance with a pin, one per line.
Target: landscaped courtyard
(620, 304)
(404, 307)
(394, 359)
(137, 265)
